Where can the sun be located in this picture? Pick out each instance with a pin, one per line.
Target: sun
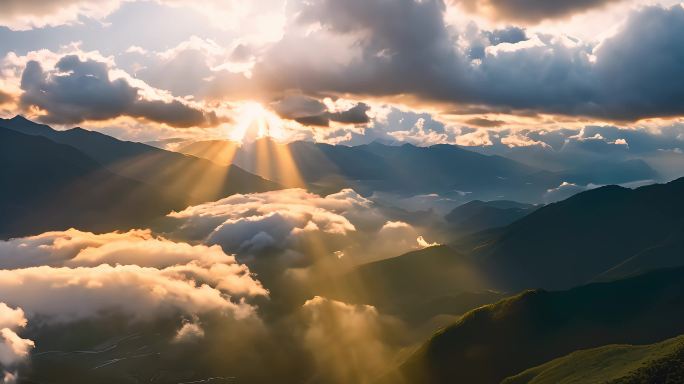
(253, 122)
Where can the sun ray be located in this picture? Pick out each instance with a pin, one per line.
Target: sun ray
(259, 131)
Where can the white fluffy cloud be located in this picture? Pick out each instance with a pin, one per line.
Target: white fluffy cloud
(290, 220)
(188, 332)
(13, 349)
(72, 274)
(564, 191)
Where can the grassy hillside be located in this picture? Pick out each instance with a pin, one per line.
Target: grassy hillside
(419, 284)
(479, 215)
(500, 340)
(655, 363)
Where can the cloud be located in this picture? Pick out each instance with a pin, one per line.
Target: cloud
(520, 140)
(190, 331)
(65, 276)
(5, 97)
(510, 35)
(474, 138)
(364, 50)
(536, 73)
(393, 126)
(75, 91)
(291, 221)
(298, 106)
(348, 342)
(354, 115)
(564, 191)
(25, 14)
(309, 111)
(530, 11)
(9, 378)
(223, 15)
(69, 294)
(13, 349)
(424, 243)
(485, 123)
(552, 74)
(628, 88)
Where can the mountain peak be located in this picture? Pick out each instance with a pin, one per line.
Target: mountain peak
(20, 118)
(23, 125)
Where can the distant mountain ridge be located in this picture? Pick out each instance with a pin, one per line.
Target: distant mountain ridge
(405, 169)
(410, 170)
(199, 179)
(49, 186)
(78, 178)
(478, 215)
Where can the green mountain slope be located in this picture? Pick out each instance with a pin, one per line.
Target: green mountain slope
(655, 363)
(500, 340)
(418, 285)
(479, 215)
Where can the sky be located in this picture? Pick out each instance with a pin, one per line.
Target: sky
(515, 73)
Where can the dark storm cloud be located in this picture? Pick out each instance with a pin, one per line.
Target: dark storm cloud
(298, 106)
(403, 47)
(636, 73)
(310, 111)
(406, 48)
(485, 123)
(314, 121)
(531, 11)
(506, 35)
(640, 69)
(354, 115)
(82, 90)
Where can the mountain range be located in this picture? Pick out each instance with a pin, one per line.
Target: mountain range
(576, 240)
(79, 178)
(529, 292)
(409, 170)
